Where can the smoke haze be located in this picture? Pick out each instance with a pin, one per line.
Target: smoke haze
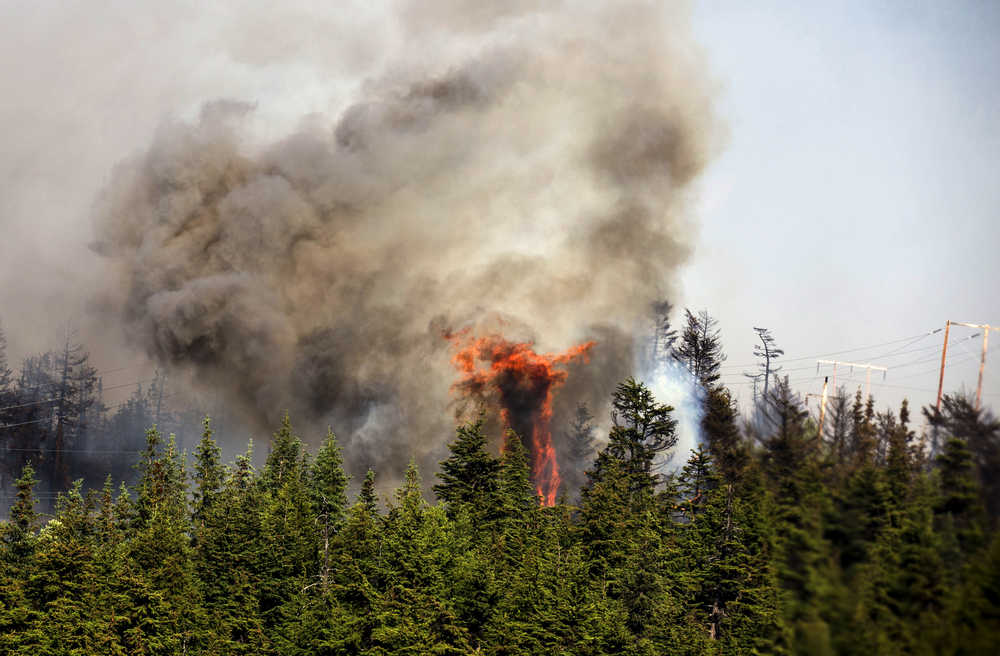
(523, 170)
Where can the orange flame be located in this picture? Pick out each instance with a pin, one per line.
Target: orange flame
(524, 382)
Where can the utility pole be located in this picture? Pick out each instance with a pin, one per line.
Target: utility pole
(822, 405)
(161, 383)
(944, 353)
(985, 327)
(823, 399)
(867, 367)
(982, 366)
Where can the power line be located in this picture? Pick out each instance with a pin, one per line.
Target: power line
(912, 338)
(24, 405)
(41, 450)
(897, 354)
(38, 421)
(924, 372)
(867, 367)
(25, 423)
(103, 389)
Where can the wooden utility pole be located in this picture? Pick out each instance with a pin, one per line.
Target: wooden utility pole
(944, 353)
(160, 379)
(822, 407)
(985, 327)
(823, 398)
(867, 367)
(982, 365)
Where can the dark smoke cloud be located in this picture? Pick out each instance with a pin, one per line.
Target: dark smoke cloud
(524, 169)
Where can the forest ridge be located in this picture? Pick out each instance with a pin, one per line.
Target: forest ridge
(770, 539)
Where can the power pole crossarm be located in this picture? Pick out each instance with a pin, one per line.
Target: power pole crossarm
(866, 366)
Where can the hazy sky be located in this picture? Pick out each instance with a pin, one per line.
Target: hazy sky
(857, 200)
(854, 202)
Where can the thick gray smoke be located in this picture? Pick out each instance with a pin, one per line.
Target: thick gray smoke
(523, 170)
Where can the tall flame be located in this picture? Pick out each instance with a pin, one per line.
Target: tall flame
(524, 382)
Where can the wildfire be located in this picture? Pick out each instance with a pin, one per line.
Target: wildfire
(524, 382)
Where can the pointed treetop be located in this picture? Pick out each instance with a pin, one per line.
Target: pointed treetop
(700, 348)
(409, 498)
(329, 481)
(368, 497)
(209, 474)
(22, 513)
(517, 494)
(468, 476)
(286, 457)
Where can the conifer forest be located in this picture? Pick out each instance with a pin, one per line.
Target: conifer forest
(769, 537)
(536, 327)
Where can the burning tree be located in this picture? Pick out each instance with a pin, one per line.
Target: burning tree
(522, 382)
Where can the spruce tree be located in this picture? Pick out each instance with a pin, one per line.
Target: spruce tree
(410, 616)
(469, 475)
(697, 478)
(159, 560)
(18, 616)
(518, 497)
(23, 517)
(581, 442)
(862, 444)
(291, 531)
(790, 462)
(230, 561)
(980, 430)
(960, 509)
(900, 465)
(726, 560)
(329, 482)
(286, 457)
(209, 474)
(641, 429)
(367, 497)
(700, 348)
(64, 581)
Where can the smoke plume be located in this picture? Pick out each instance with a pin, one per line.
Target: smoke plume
(522, 170)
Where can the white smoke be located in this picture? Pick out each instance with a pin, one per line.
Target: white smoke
(672, 383)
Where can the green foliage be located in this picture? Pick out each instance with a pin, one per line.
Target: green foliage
(793, 545)
(518, 498)
(367, 497)
(720, 427)
(980, 431)
(960, 508)
(18, 534)
(469, 475)
(641, 429)
(329, 482)
(208, 473)
(286, 459)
